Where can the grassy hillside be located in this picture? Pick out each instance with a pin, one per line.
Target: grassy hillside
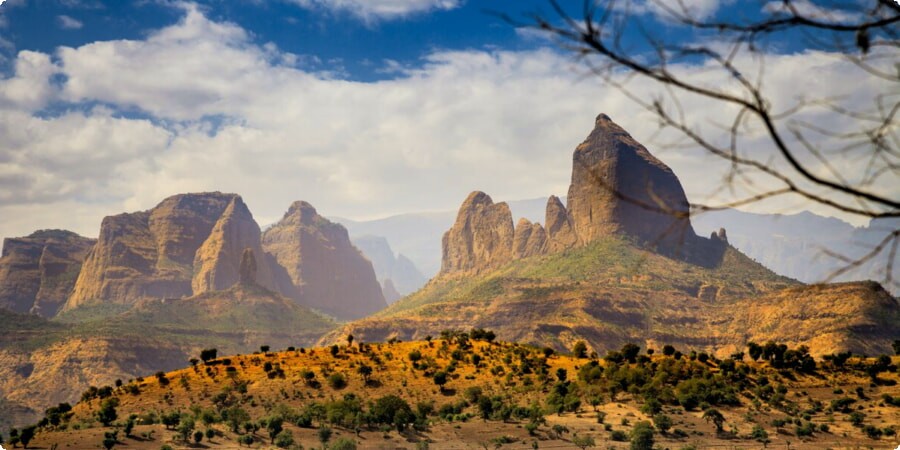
(612, 292)
(463, 392)
(610, 262)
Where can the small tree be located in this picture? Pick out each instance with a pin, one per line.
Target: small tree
(896, 346)
(107, 413)
(185, 429)
(129, 425)
(284, 439)
(713, 415)
(264, 348)
(440, 379)
(274, 425)
(580, 350)
(349, 340)
(26, 435)
(642, 436)
(365, 371)
(208, 354)
(324, 434)
(668, 350)
(198, 436)
(110, 439)
(662, 422)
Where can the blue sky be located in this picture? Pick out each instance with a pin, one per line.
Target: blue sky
(364, 108)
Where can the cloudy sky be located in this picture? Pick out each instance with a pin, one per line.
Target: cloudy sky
(365, 108)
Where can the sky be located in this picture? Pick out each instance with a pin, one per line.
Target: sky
(364, 108)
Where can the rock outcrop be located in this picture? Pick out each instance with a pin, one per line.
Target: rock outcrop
(249, 269)
(325, 270)
(560, 231)
(529, 239)
(217, 262)
(618, 187)
(481, 238)
(38, 272)
(150, 254)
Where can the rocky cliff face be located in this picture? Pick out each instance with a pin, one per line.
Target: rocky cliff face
(325, 270)
(38, 272)
(151, 254)
(560, 231)
(218, 261)
(481, 238)
(529, 239)
(618, 188)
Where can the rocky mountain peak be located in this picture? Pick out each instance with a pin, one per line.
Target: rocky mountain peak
(481, 238)
(618, 187)
(218, 262)
(302, 212)
(323, 269)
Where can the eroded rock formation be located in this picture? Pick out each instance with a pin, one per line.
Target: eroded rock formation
(325, 270)
(218, 261)
(481, 237)
(38, 272)
(617, 188)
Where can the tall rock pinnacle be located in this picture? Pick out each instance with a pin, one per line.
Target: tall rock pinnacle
(618, 187)
(481, 238)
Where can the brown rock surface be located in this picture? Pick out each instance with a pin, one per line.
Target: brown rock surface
(38, 272)
(217, 262)
(149, 254)
(249, 269)
(481, 238)
(325, 270)
(560, 231)
(529, 239)
(619, 187)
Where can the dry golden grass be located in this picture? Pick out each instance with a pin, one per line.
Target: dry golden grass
(193, 387)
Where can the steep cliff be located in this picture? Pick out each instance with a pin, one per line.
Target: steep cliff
(325, 270)
(217, 262)
(38, 272)
(481, 238)
(149, 254)
(619, 187)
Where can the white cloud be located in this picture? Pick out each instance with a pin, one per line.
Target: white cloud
(229, 115)
(370, 10)
(30, 88)
(806, 8)
(69, 23)
(697, 9)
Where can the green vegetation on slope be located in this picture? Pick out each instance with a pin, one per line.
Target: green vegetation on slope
(607, 262)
